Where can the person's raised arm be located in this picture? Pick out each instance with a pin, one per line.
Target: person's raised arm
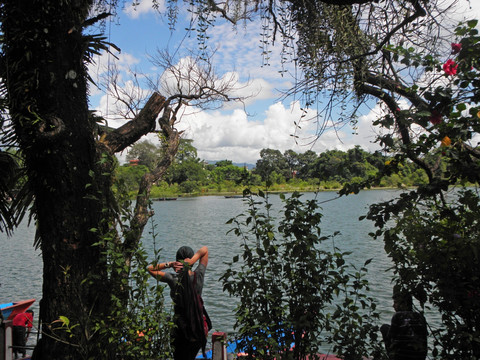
(157, 270)
(201, 254)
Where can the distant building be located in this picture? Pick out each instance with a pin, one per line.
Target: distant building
(134, 162)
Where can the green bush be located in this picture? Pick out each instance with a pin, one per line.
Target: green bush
(294, 286)
(189, 186)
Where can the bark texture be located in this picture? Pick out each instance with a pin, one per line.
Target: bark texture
(45, 73)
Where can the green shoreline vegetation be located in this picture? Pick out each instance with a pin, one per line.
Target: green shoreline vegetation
(287, 172)
(172, 191)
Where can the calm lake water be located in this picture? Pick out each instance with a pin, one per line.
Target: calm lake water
(202, 221)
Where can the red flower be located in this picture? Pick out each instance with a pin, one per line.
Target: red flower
(456, 48)
(450, 67)
(435, 118)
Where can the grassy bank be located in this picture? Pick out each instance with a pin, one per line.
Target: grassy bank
(174, 191)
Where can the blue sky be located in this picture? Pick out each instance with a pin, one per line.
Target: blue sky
(234, 132)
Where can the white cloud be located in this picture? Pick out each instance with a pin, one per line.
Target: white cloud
(103, 63)
(344, 137)
(189, 76)
(237, 137)
(239, 49)
(114, 109)
(467, 10)
(137, 8)
(250, 90)
(126, 61)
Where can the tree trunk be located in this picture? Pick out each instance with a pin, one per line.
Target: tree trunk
(69, 167)
(44, 51)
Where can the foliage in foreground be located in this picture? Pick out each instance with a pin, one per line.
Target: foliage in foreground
(138, 327)
(295, 287)
(435, 248)
(432, 233)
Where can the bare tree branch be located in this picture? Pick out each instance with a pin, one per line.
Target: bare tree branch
(193, 81)
(126, 135)
(189, 81)
(141, 212)
(402, 125)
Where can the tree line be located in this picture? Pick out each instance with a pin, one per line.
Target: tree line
(289, 170)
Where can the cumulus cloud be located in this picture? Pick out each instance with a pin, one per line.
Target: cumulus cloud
(467, 10)
(114, 108)
(240, 49)
(250, 91)
(237, 137)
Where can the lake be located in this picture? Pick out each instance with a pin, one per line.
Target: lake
(199, 221)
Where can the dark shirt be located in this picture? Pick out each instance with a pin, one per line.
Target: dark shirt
(408, 336)
(189, 335)
(172, 278)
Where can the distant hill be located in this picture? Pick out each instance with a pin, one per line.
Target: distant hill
(249, 166)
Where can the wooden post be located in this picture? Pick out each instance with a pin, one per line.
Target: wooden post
(6, 340)
(219, 346)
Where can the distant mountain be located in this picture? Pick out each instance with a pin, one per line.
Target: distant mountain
(249, 166)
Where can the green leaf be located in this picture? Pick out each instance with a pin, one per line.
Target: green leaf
(65, 320)
(472, 23)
